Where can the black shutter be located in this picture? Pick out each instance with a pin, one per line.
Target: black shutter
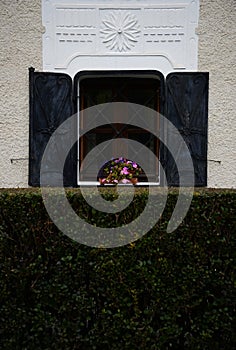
(50, 105)
(187, 109)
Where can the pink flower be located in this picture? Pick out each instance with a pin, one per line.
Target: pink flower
(124, 171)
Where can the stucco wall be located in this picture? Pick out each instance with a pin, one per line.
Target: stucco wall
(20, 36)
(21, 47)
(216, 54)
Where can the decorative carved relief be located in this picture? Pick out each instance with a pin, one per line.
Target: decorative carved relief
(120, 31)
(75, 37)
(148, 34)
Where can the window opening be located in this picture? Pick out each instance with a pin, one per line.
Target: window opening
(144, 91)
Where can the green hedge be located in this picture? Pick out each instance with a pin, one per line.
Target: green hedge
(165, 291)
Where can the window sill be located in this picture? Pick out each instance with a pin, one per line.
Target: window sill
(97, 183)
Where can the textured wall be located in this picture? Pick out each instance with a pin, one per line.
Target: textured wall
(20, 37)
(217, 41)
(21, 47)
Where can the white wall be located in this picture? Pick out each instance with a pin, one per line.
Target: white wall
(21, 47)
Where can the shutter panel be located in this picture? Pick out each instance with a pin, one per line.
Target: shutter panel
(187, 109)
(50, 105)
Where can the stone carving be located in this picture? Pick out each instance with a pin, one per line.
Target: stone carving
(120, 31)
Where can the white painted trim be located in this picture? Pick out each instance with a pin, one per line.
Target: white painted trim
(116, 34)
(96, 183)
(144, 76)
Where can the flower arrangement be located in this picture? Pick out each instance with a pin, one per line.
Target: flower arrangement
(120, 170)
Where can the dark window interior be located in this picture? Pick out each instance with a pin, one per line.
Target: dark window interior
(144, 91)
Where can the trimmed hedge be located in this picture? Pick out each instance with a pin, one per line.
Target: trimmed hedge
(165, 291)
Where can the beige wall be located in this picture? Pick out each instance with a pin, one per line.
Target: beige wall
(217, 42)
(20, 36)
(21, 47)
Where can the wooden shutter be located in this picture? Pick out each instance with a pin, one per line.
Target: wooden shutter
(50, 105)
(187, 109)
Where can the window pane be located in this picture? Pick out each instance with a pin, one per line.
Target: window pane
(144, 91)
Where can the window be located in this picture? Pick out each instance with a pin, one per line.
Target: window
(122, 87)
(181, 97)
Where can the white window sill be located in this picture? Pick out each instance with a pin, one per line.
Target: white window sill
(97, 183)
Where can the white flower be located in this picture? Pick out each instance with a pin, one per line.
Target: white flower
(120, 31)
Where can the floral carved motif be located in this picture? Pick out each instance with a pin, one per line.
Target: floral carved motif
(120, 31)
